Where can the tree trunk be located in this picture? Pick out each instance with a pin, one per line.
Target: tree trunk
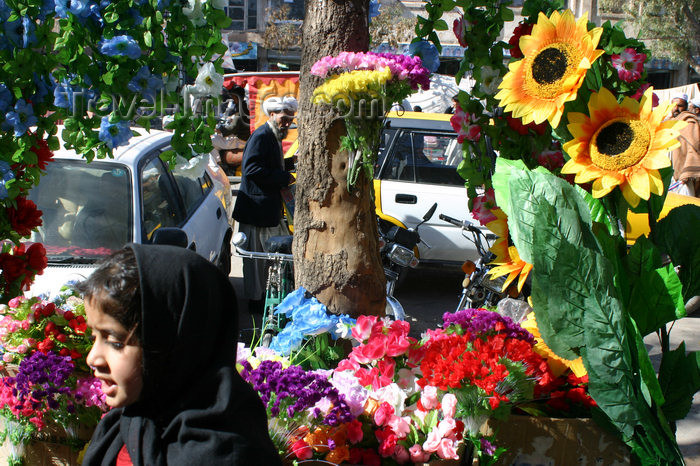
(336, 253)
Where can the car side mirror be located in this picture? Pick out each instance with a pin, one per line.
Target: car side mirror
(170, 235)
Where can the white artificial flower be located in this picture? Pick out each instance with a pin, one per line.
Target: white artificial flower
(218, 4)
(490, 79)
(194, 12)
(393, 395)
(208, 81)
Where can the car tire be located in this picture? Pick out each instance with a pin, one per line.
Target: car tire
(224, 262)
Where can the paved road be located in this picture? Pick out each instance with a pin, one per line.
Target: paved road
(428, 293)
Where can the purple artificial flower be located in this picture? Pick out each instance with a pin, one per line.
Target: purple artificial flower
(487, 447)
(295, 390)
(480, 321)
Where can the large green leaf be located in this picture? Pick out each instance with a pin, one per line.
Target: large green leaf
(677, 235)
(653, 293)
(679, 377)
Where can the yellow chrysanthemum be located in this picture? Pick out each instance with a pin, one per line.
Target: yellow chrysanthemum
(556, 364)
(621, 144)
(556, 56)
(352, 85)
(513, 266)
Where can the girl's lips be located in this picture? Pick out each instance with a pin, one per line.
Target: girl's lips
(109, 388)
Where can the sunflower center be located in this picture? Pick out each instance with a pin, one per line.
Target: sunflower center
(549, 66)
(547, 74)
(619, 144)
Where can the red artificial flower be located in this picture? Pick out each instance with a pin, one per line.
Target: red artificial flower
(45, 345)
(43, 153)
(78, 324)
(36, 258)
(517, 125)
(75, 354)
(355, 433)
(522, 29)
(13, 267)
(25, 217)
(301, 450)
(387, 441)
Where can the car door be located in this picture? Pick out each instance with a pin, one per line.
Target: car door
(420, 170)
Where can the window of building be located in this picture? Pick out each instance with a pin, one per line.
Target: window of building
(243, 13)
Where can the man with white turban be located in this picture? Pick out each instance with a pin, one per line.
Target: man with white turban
(680, 104)
(258, 206)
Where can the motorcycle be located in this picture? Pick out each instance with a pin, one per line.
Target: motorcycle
(479, 289)
(396, 245)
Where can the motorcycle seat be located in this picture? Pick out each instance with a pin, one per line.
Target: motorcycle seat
(279, 244)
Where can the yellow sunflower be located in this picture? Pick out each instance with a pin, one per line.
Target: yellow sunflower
(621, 144)
(556, 56)
(557, 364)
(513, 266)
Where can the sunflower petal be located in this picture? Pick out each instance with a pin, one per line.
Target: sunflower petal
(657, 184)
(630, 196)
(639, 182)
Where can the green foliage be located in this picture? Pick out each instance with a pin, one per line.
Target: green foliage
(679, 377)
(579, 309)
(672, 234)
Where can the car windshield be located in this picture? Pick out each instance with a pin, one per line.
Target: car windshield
(86, 209)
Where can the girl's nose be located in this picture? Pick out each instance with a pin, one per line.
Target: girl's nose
(94, 359)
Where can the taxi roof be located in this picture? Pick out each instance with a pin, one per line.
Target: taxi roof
(420, 120)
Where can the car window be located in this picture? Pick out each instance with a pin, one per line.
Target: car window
(192, 181)
(425, 157)
(86, 208)
(384, 145)
(158, 200)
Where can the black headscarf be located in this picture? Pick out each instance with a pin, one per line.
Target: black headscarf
(194, 408)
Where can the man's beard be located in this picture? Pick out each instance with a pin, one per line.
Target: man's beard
(281, 132)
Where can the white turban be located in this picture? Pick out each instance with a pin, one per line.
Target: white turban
(695, 102)
(680, 96)
(280, 104)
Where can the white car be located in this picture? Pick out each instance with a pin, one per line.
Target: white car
(92, 209)
(417, 167)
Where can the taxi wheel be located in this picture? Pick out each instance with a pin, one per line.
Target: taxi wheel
(224, 262)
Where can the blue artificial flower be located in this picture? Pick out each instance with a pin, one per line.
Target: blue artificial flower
(145, 83)
(138, 19)
(76, 7)
(96, 14)
(21, 118)
(21, 32)
(374, 7)
(63, 95)
(114, 134)
(48, 8)
(120, 46)
(5, 98)
(5, 11)
(427, 52)
(163, 4)
(42, 89)
(6, 174)
(288, 340)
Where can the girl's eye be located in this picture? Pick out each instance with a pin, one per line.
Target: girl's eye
(118, 345)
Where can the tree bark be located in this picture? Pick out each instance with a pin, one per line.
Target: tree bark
(336, 253)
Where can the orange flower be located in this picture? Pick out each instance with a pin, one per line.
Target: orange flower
(513, 266)
(340, 454)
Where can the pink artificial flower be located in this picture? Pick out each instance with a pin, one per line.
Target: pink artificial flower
(383, 414)
(15, 302)
(406, 380)
(7, 357)
(428, 397)
(363, 327)
(640, 92)
(446, 449)
(483, 206)
(460, 29)
(347, 365)
(25, 324)
(447, 428)
(400, 426)
(401, 455)
(464, 124)
(432, 441)
(449, 405)
(418, 455)
(551, 159)
(374, 349)
(629, 64)
(396, 345)
(21, 349)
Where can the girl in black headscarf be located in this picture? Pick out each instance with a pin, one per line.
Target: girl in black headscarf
(165, 326)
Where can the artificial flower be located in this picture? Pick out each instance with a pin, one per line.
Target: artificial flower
(76, 7)
(629, 64)
(557, 55)
(114, 134)
(43, 153)
(460, 28)
(21, 118)
(21, 32)
(464, 123)
(120, 46)
(6, 98)
(551, 159)
(640, 92)
(557, 364)
(6, 175)
(351, 86)
(208, 81)
(145, 83)
(428, 54)
(489, 80)
(522, 29)
(512, 267)
(24, 217)
(483, 207)
(194, 12)
(621, 144)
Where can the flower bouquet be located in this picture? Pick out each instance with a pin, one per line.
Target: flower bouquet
(363, 86)
(47, 390)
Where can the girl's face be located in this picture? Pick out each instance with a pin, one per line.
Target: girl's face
(115, 357)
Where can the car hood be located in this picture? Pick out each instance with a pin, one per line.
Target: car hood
(54, 277)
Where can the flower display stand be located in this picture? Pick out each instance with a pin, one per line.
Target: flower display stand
(50, 447)
(552, 441)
